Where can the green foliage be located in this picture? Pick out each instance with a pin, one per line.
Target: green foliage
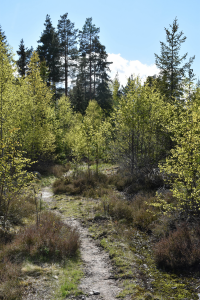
(115, 88)
(13, 176)
(137, 142)
(90, 134)
(36, 116)
(65, 120)
(183, 162)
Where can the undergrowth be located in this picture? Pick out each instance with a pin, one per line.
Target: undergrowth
(48, 240)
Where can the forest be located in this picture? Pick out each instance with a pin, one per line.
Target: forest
(135, 148)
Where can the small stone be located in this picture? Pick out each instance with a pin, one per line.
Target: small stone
(55, 276)
(96, 292)
(91, 293)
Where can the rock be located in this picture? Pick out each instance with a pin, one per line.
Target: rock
(91, 293)
(96, 293)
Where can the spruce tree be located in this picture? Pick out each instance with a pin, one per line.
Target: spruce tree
(24, 57)
(170, 63)
(68, 40)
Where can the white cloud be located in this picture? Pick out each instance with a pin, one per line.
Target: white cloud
(126, 68)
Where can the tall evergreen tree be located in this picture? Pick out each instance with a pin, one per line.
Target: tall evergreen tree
(102, 93)
(92, 79)
(3, 36)
(68, 40)
(170, 63)
(24, 57)
(50, 51)
(87, 36)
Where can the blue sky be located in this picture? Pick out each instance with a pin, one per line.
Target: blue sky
(131, 30)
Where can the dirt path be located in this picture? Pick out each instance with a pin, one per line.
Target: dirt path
(97, 282)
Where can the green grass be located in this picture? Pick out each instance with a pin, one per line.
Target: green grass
(70, 279)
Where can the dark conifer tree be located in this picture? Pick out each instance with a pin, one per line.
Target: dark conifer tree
(103, 94)
(92, 68)
(24, 57)
(3, 36)
(87, 36)
(68, 50)
(49, 50)
(170, 63)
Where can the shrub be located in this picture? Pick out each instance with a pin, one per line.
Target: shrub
(59, 170)
(137, 212)
(134, 183)
(120, 209)
(51, 239)
(179, 250)
(88, 184)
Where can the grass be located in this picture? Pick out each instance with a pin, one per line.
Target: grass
(72, 273)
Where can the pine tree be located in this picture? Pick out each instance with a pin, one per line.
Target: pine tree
(50, 51)
(68, 40)
(87, 36)
(102, 93)
(92, 79)
(170, 63)
(24, 56)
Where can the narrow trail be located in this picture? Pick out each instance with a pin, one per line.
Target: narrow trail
(97, 282)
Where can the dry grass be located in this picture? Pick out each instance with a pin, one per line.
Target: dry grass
(10, 288)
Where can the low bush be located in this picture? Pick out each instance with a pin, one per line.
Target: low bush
(120, 209)
(20, 209)
(132, 184)
(47, 168)
(137, 212)
(87, 184)
(180, 250)
(50, 239)
(59, 170)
